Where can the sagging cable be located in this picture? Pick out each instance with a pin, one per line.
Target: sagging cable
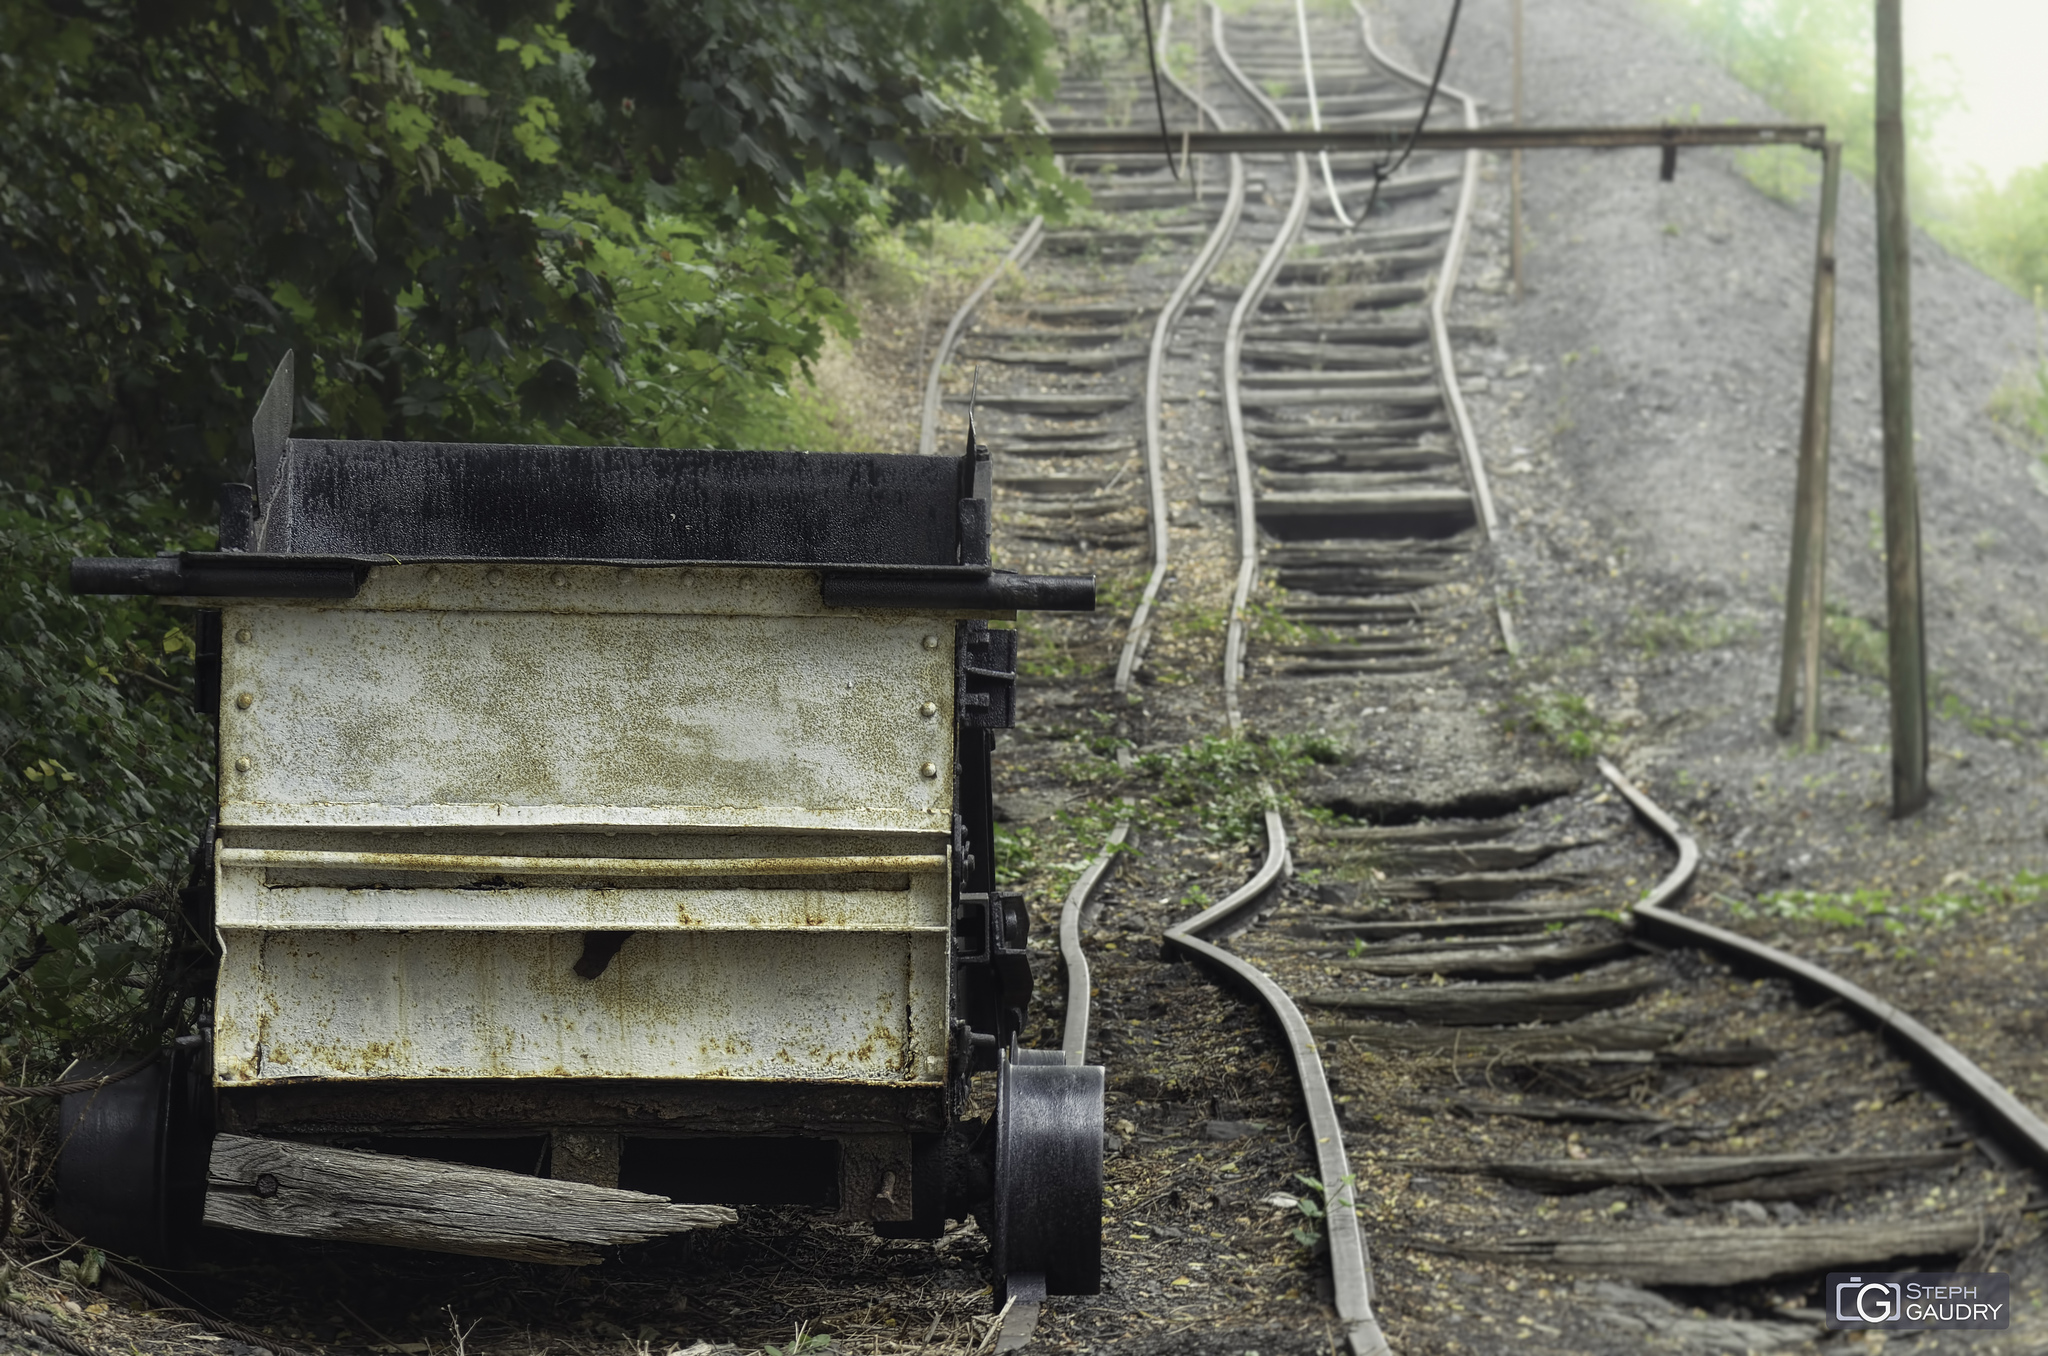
(1158, 97)
(1384, 171)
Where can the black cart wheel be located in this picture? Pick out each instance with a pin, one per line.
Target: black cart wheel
(131, 1156)
(1048, 1195)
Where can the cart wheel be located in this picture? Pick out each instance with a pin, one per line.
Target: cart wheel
(1048, 1198)
(131, 1156)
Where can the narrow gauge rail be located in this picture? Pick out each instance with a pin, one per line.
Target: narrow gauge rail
(1510, 1052)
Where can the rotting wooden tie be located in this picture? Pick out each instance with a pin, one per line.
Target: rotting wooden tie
(313, 1191)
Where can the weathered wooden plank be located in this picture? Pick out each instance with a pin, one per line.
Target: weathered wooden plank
(1477, 856)
(1494, 1004)
(1375, 379)
(1016, 446)
(1728, 1176)
(1369, 927)
(1410, 833)
(1594, 1037)
(1359, 265)
(1538, 1109)
(1355, 331)
(1276, 397)
(1497, 960)
(1062, 405)
(1345, 457)
(1723, 1255)
(1420, 501)
(1393, 354)
(1108, 312)
(1075, 359)
(1368, 664)
(313, 1191)
(1352, 428)
(1356, 294)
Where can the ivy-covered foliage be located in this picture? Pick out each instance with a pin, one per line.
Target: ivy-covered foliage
(528, 220)
(105, 771)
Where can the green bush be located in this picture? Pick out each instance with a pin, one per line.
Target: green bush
(2003, 231)
(105, 776)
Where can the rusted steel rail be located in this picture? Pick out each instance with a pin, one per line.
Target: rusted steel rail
(1276, 141)
(2016, 1125)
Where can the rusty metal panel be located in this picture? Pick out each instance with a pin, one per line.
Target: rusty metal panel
(431, 792)
(486, 1004)
(251, 898)
(342, 716)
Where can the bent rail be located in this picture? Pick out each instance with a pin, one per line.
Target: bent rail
(2017, 1125)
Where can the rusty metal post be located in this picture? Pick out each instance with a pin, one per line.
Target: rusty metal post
(1805, 591)
(1905, 619)
(1515, 170)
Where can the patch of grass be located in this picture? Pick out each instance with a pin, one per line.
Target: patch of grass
(1951, 705)
(1565, 720)
(1043, 652)
(1235, 268)
(896, 266)
(2020, 404)
(1184, 618)
(1268, 625)
(1781, 173)
(1856, 645)
(2003, 231)
(1215, 780)
(1045, 859)
(1699, 629)
(1881, 910)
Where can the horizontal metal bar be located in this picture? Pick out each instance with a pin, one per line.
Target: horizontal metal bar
(1118, 142)
(999, 591)
(327, 908)
(648, 867)
(176, 577)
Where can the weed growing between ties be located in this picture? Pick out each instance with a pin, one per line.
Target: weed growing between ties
(1212, 786)
(1564, 720)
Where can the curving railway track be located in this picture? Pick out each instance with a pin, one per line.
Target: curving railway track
(1546, 1108)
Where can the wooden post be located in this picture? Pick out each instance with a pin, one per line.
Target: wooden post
(1901, 490)
(1805, 591)
(1515, 170)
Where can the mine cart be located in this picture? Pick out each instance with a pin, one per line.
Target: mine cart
(603, 839)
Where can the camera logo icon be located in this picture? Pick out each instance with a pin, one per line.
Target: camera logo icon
(1871, 1301)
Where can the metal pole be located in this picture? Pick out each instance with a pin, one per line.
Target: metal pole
(1901, 491)
(1805, 592)
(1515, 170)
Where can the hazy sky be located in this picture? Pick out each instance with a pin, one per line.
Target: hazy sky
(2000, 51)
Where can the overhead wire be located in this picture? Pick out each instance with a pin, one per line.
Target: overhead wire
(1383, 171)
(1158, 97)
